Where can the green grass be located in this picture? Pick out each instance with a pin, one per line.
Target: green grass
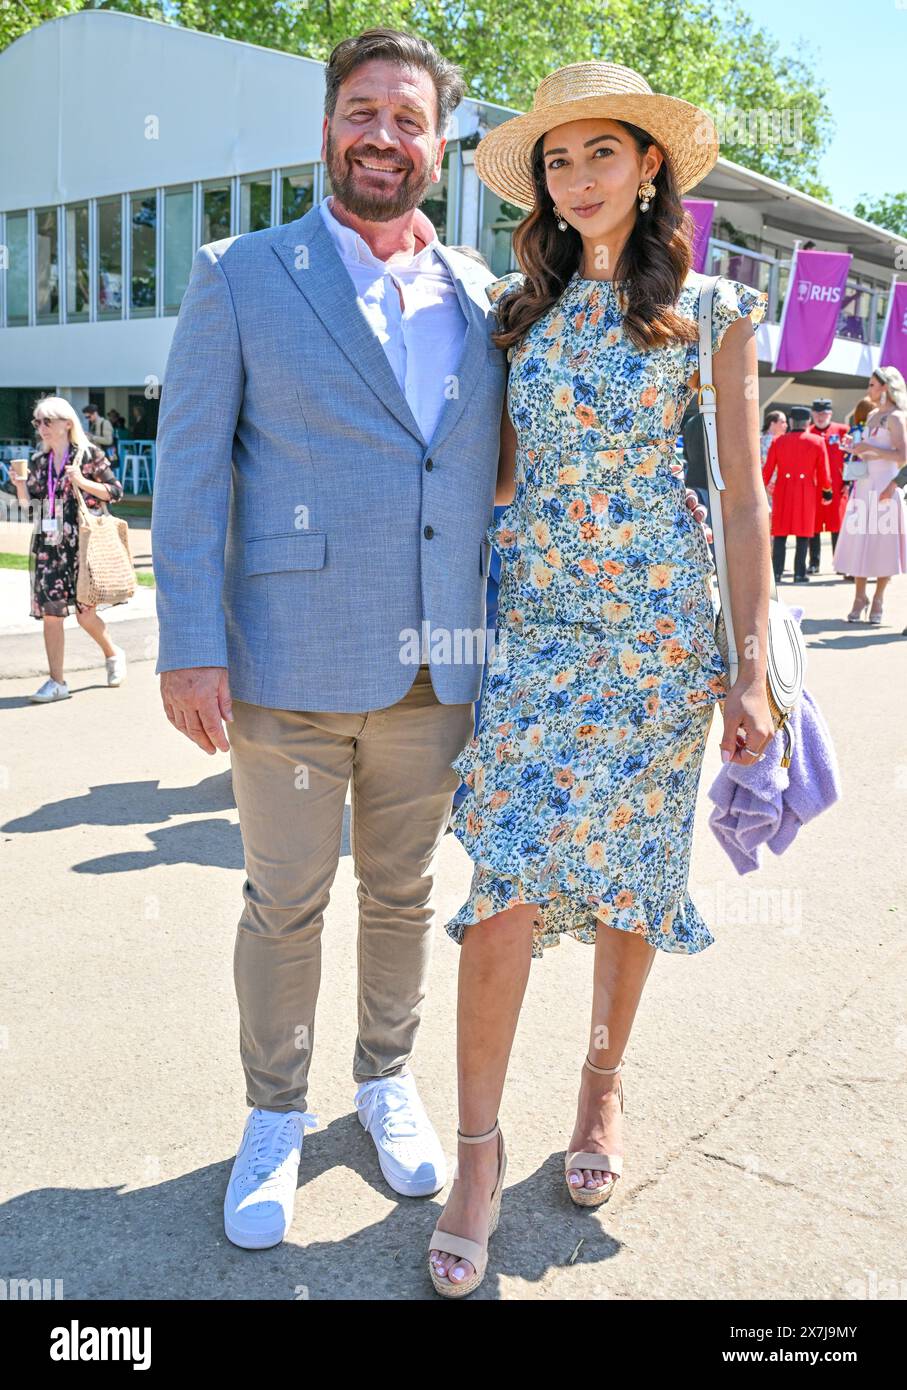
(132, 506)
(8, 561)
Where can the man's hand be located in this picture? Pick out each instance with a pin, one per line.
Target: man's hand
(699, 512)
(195, 701)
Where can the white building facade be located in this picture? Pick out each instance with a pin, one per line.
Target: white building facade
(149, 140)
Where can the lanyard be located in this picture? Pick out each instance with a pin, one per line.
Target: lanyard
(53, 478)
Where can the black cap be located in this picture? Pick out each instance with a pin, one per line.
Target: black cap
(822, 404)
(799, 412)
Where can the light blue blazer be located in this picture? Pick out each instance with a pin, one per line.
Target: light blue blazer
(301, 525)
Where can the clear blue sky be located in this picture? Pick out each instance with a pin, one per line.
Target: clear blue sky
(859, 53)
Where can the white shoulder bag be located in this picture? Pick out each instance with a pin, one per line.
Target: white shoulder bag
(786, 658)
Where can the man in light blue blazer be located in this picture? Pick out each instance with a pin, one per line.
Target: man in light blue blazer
(327, 458)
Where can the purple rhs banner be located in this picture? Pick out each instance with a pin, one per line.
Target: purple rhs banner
(894, 339)
(702, 211)
(810, 315)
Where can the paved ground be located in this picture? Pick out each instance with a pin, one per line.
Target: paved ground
(765, 1080)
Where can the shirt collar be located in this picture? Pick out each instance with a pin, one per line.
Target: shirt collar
(354, 248)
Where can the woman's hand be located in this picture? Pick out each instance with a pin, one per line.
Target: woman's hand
(888, 492)
(75, 475)
(748, 726)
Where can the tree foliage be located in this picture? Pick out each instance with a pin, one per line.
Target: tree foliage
(771, 110)
(890, 212)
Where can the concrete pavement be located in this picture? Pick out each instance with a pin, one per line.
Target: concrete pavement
(765, 1080)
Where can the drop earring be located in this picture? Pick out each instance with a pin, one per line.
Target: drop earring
(647, 192)
(561, 224)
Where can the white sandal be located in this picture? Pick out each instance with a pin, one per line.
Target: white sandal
(602, 1163)
(471, 1250)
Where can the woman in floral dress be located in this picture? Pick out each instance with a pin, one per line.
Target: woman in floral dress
(583, 773)
(65, 461)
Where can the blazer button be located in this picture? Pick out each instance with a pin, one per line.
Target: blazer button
(428, 532)
(787, 475)
(802, 475)
(429, 465)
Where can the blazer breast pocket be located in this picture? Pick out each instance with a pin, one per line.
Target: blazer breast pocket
(291, 550)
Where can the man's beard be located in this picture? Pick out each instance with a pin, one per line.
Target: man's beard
(374, 206)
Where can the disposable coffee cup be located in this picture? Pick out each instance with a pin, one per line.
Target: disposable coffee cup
(19, 468)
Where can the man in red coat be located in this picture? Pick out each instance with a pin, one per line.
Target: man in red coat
(829, 515)
(801, 461)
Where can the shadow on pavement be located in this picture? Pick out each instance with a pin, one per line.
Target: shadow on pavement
(167, 1241)
(210, 842)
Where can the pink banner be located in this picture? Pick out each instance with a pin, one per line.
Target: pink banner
(811, 309)
(702, 211)
(894, 339)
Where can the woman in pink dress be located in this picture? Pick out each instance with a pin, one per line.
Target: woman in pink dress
(873, 539)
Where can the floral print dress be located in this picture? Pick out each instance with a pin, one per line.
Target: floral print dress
(583, 773)
(54, 567)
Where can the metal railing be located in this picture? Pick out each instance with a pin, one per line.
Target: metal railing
(862, 311)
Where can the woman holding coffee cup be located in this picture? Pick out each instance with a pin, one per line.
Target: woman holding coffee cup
(65, 460)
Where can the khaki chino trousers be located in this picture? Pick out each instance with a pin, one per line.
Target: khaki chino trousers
(291, 771)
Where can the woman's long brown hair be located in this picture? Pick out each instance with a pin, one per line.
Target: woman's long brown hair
(654, 262)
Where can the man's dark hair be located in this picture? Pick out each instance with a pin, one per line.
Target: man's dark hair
(393, 46)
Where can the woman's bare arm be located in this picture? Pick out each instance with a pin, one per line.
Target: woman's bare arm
(744, 511)
(506, 486)
(897, 429)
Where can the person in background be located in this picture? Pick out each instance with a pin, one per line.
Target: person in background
(116, 424)
(861, 412)
(97, 430)
(829, 515)
(775, 423)
(801, 463)
(138, 426)
(874, 530)
(66, 460)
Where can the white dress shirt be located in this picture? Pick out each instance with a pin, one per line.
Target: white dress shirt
(423, 337)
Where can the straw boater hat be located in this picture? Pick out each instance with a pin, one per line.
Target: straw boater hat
(503, 158)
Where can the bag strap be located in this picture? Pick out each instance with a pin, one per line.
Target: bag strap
(84, 508)
(708, 407)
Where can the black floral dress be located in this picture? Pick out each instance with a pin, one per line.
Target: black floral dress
(54, 567)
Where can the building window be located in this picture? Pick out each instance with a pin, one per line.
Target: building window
(499, 222)
(297, 192)
(436, 202)
(179, 246)
(110, 258)
(77, 292)
(17, 272)
(47, 265)
(143, 230)
(254, 202)
(216, 209)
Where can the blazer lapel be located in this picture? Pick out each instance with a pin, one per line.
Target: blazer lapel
(310, 257)
(474, 357)
(308, 253)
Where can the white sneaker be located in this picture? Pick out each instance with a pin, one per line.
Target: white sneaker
(258, 1205)
(409, 1151)
(51, 690)
(116, 666)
